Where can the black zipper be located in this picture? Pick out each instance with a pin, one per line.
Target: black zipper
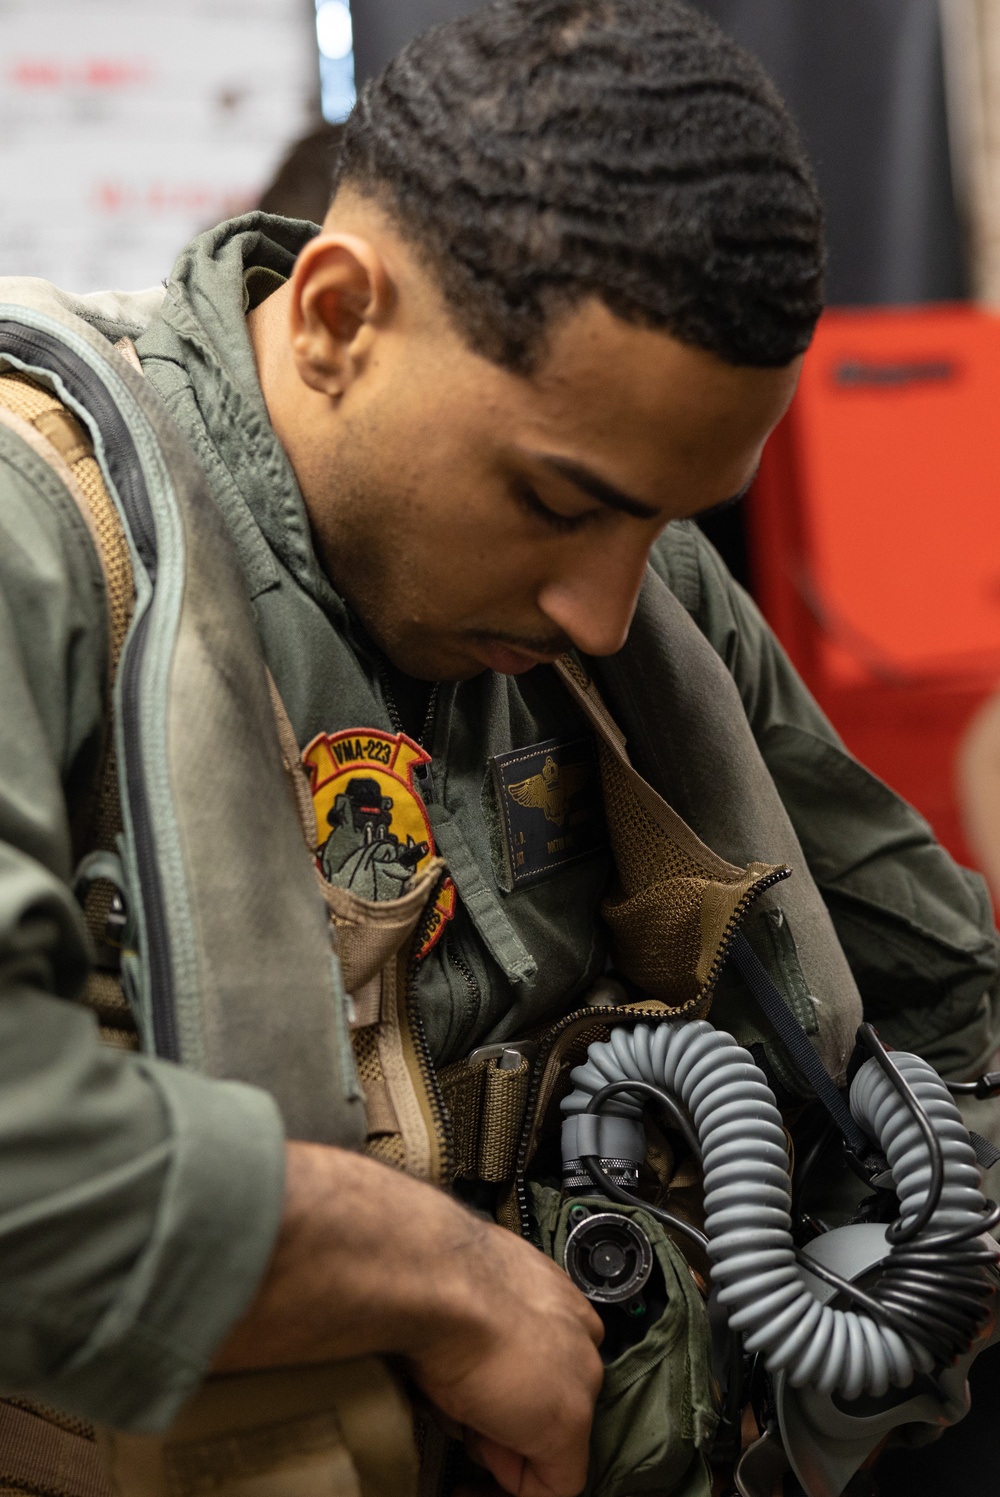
(468, 977)
(43, 351)
(392, 709)
(767, 881)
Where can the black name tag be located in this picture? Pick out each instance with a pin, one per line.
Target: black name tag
(551, 807)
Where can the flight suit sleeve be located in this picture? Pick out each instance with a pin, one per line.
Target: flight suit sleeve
(916, 928)
(138, 1202)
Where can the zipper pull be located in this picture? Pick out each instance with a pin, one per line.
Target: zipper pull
(424, 783)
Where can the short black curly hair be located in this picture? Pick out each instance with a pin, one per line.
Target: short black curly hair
(537, 152)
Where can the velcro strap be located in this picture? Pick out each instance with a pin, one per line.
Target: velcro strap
(67, 436)
(46, 1459)
(380, 1115)
(486, 1108)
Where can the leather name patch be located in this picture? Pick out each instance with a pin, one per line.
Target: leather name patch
(551, 807)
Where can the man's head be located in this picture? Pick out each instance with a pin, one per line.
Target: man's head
(559, 300)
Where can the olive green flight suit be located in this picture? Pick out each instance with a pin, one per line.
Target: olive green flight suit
(138, 1204)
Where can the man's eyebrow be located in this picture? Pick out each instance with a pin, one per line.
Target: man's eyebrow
(599, 488)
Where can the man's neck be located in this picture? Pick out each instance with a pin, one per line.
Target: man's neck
(408, 699)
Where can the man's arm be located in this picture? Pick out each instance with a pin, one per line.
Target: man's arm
(494, 1334)
(138, 1203)
(917, 929)
(143, 1209)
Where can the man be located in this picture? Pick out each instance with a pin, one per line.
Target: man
(558, 303)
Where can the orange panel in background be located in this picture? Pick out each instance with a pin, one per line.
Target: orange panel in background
(875, 529)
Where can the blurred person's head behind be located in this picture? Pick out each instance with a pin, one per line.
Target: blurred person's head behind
(560, 298)
(300, 188)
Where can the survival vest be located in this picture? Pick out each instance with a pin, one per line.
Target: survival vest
(210, 950)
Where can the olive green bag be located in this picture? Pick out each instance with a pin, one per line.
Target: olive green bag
(655, 1418)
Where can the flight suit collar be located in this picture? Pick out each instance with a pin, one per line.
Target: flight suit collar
(202, 328)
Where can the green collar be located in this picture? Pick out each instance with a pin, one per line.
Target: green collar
(200, 339)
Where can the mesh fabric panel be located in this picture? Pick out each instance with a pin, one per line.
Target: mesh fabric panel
(669, 916)
(655, 914)
(72, 1423)
(386, 1147)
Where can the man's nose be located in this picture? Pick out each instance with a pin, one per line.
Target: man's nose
(594, 601)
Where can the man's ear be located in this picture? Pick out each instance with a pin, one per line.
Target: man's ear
(341, 295)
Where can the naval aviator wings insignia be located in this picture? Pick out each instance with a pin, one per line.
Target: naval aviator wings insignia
(551, 807)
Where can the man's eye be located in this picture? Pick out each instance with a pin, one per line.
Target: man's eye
(529, 500)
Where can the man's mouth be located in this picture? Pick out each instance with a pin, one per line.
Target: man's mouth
(508, 661)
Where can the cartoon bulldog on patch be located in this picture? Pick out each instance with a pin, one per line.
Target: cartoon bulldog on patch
(372, 828)
(379, 865)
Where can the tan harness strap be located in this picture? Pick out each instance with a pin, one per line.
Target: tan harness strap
(342, 1429)
(486, 1108)
(66, 446)
(53, 1456)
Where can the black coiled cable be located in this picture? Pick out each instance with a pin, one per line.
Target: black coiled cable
(937, 1286)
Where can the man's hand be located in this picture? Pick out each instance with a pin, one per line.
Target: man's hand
(495, 1335)
(524, 1380)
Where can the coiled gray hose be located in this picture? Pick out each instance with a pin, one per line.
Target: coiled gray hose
(748, 1192)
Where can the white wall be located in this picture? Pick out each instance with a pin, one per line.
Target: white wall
(126, 126)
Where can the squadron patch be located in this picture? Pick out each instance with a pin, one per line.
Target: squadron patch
(372, 827)
(551, 808)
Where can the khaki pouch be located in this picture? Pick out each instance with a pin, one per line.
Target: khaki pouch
(338, 1430)
(655, 1417)
(375, 941)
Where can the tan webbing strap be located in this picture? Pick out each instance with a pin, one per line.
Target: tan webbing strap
(340, 1430)
(486, 1108)
(55, 434)
(66, 447)
(676, 904)
(48, 1453)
